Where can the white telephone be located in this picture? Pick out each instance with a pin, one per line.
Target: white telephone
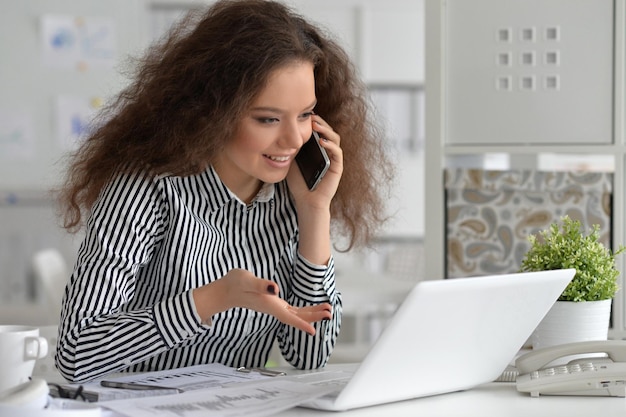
(595, 376)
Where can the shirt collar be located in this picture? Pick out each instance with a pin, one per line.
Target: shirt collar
(223, 194)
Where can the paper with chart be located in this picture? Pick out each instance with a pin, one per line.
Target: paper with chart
(263, 398)
(193, 378)
(198, 377)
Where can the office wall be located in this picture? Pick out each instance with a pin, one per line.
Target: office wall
(35, 85)
(60, 60)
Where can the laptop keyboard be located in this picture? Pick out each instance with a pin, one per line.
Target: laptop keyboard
(338, 378)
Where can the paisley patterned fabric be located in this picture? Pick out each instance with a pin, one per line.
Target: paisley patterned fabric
(489, 214)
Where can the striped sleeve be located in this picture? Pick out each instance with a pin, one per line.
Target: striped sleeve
(312, 284)
(99, 333)
(176, 319)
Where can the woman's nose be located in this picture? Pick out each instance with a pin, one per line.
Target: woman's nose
(294, 137)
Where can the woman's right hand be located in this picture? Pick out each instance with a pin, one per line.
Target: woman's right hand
(241, 288)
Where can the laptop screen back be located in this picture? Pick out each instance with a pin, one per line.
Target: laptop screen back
(453, 334)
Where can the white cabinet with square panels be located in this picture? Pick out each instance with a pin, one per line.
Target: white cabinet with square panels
(525, 84)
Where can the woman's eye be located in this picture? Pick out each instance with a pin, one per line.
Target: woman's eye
(307, 115)
(267, 120)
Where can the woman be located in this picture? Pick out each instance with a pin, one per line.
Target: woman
(202, 241)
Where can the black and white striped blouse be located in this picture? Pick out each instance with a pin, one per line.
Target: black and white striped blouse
(149, 242)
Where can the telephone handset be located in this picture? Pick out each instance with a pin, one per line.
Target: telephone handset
(596, 376)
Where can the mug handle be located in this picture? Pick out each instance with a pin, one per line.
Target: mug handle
(35, 348)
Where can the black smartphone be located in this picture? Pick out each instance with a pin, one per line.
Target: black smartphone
(313, 161)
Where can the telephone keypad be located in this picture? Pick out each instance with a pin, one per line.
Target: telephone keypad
(563, 370)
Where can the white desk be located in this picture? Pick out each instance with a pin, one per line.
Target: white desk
(490, 400)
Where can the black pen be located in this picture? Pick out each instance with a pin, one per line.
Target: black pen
(262, 371)
(135, 386)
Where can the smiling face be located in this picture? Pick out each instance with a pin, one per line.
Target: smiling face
(270, 134)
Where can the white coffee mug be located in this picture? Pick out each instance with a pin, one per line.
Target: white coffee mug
(20, 346)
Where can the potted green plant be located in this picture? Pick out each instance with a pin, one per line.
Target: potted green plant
(583, 309)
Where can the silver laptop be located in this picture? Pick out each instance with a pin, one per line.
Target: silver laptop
(448, 335)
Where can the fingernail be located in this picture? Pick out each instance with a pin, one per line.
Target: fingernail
(271, 289)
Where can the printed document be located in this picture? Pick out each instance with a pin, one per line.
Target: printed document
(182, 379)
(263, 398)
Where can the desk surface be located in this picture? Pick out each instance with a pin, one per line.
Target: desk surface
(494, 399)
(497, 399)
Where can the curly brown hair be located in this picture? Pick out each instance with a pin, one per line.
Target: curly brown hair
(192, 88)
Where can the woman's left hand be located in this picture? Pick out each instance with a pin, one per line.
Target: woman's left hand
(326, 189)
(241, 288)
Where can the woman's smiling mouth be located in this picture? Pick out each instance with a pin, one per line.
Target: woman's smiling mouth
(278, 158)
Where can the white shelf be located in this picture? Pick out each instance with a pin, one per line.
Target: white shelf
(437, 130)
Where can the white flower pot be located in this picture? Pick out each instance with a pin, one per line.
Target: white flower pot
(569, 321)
